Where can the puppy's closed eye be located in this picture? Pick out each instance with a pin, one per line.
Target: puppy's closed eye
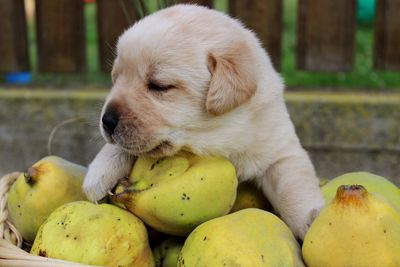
(157, 87)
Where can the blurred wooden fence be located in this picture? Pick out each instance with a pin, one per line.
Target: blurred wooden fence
(325, 32)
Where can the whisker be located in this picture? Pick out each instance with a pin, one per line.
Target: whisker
(112, 49)
(97, 139)
(109, 62)
(93, 116)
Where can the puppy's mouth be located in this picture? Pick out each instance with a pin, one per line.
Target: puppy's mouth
(164, 148)
(141, 145)
(160, 149)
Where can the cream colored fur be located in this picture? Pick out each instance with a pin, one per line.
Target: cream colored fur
(224, 98)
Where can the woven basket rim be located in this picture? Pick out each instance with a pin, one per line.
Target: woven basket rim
(11, 253)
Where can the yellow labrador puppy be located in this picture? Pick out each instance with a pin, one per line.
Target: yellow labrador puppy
(195, 79)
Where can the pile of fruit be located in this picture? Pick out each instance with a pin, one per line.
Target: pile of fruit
(190, 211)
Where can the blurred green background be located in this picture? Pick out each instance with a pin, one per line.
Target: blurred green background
(362, 77)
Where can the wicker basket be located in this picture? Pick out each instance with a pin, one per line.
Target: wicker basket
(11, 241)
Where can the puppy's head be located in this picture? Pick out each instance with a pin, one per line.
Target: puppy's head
(175, 72)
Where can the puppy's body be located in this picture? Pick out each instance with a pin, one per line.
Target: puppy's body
(194, 79)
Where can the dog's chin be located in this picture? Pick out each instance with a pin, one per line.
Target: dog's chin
(160, 149)
(163, 149)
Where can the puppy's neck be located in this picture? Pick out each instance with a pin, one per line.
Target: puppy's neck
(253, 136)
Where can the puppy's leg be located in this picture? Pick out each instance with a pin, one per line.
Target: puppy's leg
(109, 165)
(292, 187)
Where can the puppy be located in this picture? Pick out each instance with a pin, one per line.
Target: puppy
(189, 78)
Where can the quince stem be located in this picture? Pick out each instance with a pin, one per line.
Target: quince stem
(31, 175)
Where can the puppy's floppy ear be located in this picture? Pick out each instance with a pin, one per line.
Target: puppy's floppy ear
(233, 80)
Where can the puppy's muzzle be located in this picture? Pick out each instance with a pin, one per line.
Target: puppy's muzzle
(110, 121)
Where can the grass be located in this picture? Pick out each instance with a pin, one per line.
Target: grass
(91, 78)
(362, 77)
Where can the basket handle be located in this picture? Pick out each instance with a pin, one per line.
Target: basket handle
(11, 240)
(7, 230)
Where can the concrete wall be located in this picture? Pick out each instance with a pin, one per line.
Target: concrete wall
(27, 118)
(349, 132)
(342, 132)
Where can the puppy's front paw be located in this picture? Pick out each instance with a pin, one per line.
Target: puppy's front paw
(304, 227)
(97, 184)
(110, 165)
(301, 221)
(312, 215)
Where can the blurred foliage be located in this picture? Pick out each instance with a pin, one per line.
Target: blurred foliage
(366, 11)
(362, 77)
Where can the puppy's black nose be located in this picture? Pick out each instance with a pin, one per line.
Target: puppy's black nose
(110, 120)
